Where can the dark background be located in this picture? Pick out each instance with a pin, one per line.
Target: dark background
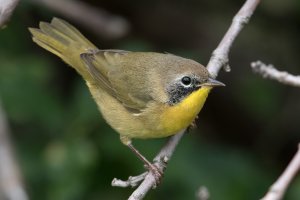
(247, 131)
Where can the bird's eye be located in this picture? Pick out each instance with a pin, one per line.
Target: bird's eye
(186, 80)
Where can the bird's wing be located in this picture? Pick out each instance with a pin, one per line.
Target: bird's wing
(118, 76)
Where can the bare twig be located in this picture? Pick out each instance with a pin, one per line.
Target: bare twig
(10, 179)
(6, 9)
(269, 71)
(107, 25)
(132, 181)
(277, 190)
(219, 56)
(160, 161)
(148, 179)
(218, 60)
(11, 186)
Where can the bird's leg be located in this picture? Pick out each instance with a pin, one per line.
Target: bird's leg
(157, 173)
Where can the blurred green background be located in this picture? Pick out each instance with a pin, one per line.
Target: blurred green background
(247, 132)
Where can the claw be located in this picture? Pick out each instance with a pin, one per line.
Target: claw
(156, 172)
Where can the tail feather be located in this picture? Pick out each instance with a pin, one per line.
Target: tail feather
(70, 30)
(56, 34)
(47, 43)
(65, 41)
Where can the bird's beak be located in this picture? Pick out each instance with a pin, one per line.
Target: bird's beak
(213, 83)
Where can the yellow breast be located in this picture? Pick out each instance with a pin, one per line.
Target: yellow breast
(181, 115)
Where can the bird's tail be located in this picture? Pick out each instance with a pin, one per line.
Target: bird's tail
(62, 39)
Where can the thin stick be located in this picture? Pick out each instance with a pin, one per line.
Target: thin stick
(6, 9)
(11, 186)
(105, 24)
(160, 160)
(278, 189)
(219, 56)
(269, 71)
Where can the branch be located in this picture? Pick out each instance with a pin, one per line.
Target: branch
(278, 189)
(132, 181)
(6, 9)
(11, 186)
(269, 71)
(10, 179)
(160, 160)
(219, 56)
(102, 23)
(218, 60)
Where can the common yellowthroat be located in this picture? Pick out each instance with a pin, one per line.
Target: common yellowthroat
(140, 94)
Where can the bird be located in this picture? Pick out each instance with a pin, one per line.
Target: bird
(141, 95)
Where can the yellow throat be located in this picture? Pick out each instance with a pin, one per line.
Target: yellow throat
(181, 115)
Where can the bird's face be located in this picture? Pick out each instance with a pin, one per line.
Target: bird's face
(187, 81)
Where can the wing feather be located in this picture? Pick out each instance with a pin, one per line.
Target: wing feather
(115, 77)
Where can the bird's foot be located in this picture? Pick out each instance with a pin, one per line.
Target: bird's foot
(156, 172)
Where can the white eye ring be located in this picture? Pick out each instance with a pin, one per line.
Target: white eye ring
(186, 81)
